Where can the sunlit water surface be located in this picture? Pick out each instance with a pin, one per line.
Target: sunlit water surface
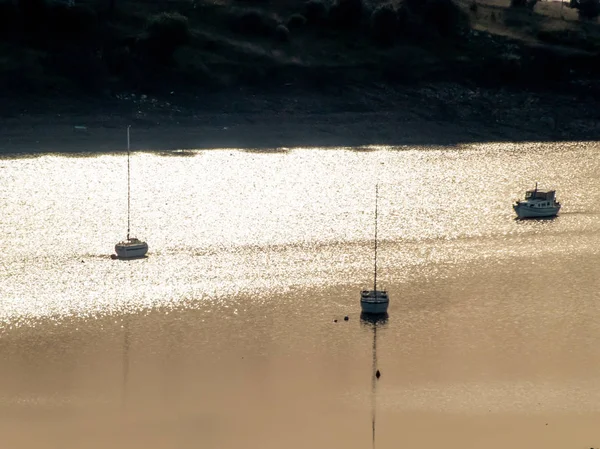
(224, 337)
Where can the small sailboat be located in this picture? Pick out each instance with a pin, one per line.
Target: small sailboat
(374, 301)
(537, 204)
(131, 247)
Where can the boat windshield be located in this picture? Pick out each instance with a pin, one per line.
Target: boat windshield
(540, 195)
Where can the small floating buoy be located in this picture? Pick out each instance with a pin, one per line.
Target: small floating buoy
(377, 374)
(335, 321)
(346, 318)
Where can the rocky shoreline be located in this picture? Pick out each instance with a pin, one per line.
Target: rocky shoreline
(441, 114)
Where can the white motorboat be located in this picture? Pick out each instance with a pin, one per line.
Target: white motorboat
(537, 204)
(131, 247)
(374, 301)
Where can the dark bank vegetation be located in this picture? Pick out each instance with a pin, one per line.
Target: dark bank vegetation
(153, 46)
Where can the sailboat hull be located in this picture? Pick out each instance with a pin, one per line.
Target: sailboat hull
(126, 250)
(374, 302)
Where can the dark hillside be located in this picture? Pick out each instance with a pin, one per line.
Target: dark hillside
(184, 54)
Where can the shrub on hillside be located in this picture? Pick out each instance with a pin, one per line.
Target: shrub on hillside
(384, 24)
(82, 66)
(423, 18)
(8, 17)
(589, 9)
(296, 21)
(70, 22)
(445, 16)
(33, 13)
(347, 14)
(529, 4)
(48, 21)
(315, 11)
(165, 32)
(410, 21)
(117, 59)
(25, 71)
(254, 23)
(282, 34)
(170, 28)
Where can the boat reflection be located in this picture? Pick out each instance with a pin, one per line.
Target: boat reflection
(126, 347)
(369, 319)
(374, 321)
(535, 220)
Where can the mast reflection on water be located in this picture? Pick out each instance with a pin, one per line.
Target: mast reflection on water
(373, 322)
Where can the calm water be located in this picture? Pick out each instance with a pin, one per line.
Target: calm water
(224, 337)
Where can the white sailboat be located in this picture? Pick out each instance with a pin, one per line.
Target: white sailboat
(374, 301)
(131, 247)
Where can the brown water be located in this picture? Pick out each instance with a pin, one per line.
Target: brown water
(224, 337)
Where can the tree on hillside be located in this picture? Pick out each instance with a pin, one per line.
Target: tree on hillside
(588, 9)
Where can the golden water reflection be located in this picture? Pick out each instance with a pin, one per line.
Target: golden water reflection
(224, 337)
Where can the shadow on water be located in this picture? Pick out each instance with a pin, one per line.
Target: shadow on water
(535, 219)
(275, 134)
(126, 259)
(373, 322)
(32, 154)
(273, 150)
(366, 148)
(175, 153)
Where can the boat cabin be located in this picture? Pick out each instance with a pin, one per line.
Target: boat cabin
(544, 195)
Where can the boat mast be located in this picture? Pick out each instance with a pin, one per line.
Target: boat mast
(375, 277)
(128, 184)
